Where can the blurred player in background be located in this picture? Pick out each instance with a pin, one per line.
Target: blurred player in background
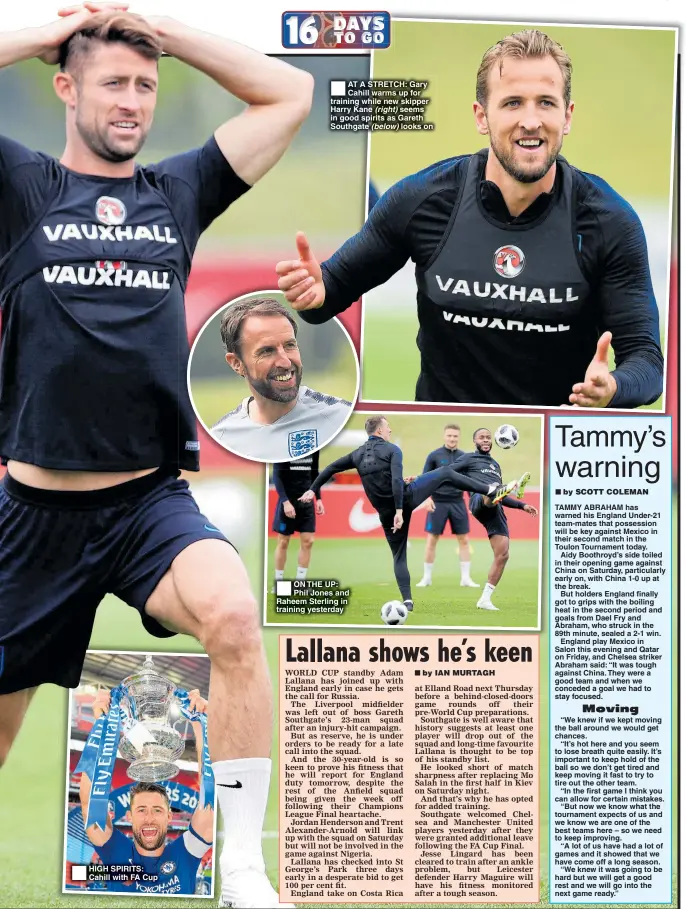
(280, 418)
(171, 867)
(291, 480)
(523, 262)
(95, 253)
(380, 466)
(489, 512)
(446, 505)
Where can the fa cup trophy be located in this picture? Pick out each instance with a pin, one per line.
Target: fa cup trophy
(150, 742)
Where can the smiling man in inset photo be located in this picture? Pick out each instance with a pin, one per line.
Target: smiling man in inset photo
(281, 419)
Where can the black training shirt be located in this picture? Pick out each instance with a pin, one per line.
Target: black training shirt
(444, 457)
(478, 347)
(293, 478)
(380, 466)
(93, 272)
(479, 465)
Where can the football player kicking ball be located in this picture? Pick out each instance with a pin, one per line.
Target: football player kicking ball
(97, 423)
(380, 466)
(490, 513)
(170, 867)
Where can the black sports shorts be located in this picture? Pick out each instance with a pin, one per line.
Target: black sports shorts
(61, 552)
(303, 522)
(492, 517)
(455, 512)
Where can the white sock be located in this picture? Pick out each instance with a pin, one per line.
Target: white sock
(243, 808)
(488, 590)
(301, 574)
(428, 570)
(278, 574)
(464, 569)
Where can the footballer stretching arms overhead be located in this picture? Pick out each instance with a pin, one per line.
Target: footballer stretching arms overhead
(526, 267)
(96, 423)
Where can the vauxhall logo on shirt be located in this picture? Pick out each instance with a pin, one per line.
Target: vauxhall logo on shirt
(107, 274)
(495, 291)
(110, 212)
(509, 262)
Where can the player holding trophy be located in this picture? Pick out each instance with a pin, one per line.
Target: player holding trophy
(134, 718)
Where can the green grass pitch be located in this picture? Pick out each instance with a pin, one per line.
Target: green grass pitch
(445, 603)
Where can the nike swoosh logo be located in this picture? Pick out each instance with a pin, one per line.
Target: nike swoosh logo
(231, 785)
(212, 529)
(360, 520)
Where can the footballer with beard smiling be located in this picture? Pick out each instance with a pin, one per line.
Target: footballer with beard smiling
(281, 419)
(527, 268)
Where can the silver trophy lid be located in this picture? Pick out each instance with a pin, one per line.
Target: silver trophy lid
(148, 703)
(149, 692)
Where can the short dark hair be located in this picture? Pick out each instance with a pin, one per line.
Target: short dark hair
(451, 426)
(371, 424)
(527, 44)
(142, 786)
(480, 429)
(109, 26)
(237, 313)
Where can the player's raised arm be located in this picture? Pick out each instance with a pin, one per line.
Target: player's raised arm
(301, 279)
(365, 261)
(202, 821)
(511, 502)
(44, 41)
(338, 466)
(97, 836)
(278, 95)
(459, 464)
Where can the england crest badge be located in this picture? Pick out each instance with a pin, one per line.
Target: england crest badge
(302, 442)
